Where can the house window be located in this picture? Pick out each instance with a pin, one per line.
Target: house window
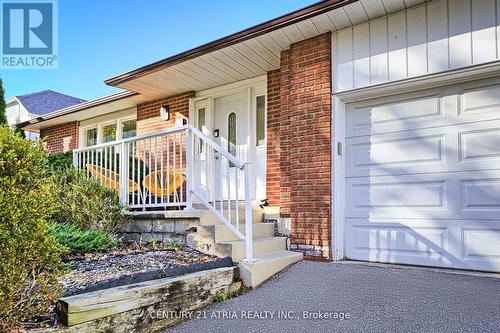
(261, 120)
(231, 134)
(109, 133)
(201, 123)
(129, 128)
(91, 137)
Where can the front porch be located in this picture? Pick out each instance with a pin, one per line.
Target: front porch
(182, 173)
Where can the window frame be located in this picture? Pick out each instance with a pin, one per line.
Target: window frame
(84, 135)
(100, 126)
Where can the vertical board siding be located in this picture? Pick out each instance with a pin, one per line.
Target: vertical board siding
(397, 46)
(378, 50)
(345, 59)
(437, 36)
(431, 38)
(361, 54)
(416, 41)
(483, 31)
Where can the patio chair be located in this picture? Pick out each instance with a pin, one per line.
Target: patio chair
(110, 179)
(166, 184)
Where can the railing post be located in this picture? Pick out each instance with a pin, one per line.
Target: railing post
(123, 173)
(75, 160)
(189, 168)
(248, 216)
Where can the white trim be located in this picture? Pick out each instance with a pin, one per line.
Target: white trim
(338, 179)
(337, 168)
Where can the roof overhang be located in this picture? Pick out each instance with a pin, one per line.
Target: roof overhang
(86, 110)
(11, 100)
(251, 52)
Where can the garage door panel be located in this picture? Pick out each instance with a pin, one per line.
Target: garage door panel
(470, 146)
(432, 108)
(479, 100)
(399, 239)
(455, 195)
(426, 242)
(383, 116)
(402, 153)
(481, 244)
(481, 144)
(481, 194)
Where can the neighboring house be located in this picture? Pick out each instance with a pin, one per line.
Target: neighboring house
(31, 106)
(372, 126)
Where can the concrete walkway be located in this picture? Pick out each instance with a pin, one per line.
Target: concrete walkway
(381, 298)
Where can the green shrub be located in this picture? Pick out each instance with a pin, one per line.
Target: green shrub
(79, 241)
(85, 203)
(60, 161)
(29, 256)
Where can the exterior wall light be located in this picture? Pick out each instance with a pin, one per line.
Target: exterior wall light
(165, 112)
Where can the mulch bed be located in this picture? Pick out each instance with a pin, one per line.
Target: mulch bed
(126, 265)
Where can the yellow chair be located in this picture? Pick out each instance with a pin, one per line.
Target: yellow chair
(172, 181)
(110, 179)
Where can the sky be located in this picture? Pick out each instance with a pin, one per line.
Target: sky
(99, 39)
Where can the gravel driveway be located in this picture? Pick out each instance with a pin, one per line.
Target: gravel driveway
(359, 297)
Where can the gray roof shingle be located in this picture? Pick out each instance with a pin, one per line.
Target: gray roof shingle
(47, 101)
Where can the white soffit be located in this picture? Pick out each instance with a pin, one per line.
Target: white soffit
(256, 56)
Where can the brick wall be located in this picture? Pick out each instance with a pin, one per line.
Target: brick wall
(61, 138)
(273, 137)
(302, 136)
(148, 114)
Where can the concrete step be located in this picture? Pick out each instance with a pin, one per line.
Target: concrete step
(208, 218)
(260, 230)
(260, 247)
(265, 266)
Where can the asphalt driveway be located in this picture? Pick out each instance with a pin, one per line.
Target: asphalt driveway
(358, 297)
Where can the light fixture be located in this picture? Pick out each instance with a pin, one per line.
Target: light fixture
(165, 112)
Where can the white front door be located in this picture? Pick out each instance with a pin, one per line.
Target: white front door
(423, 178)
(231, 131)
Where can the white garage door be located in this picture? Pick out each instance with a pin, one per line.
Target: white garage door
(423, 178)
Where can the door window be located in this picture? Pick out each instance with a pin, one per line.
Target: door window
(201, 124)
(231, 134)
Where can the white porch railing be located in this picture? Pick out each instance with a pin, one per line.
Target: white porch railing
(155, 172)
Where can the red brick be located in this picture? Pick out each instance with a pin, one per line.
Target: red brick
(61, 138)
(299, 149)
